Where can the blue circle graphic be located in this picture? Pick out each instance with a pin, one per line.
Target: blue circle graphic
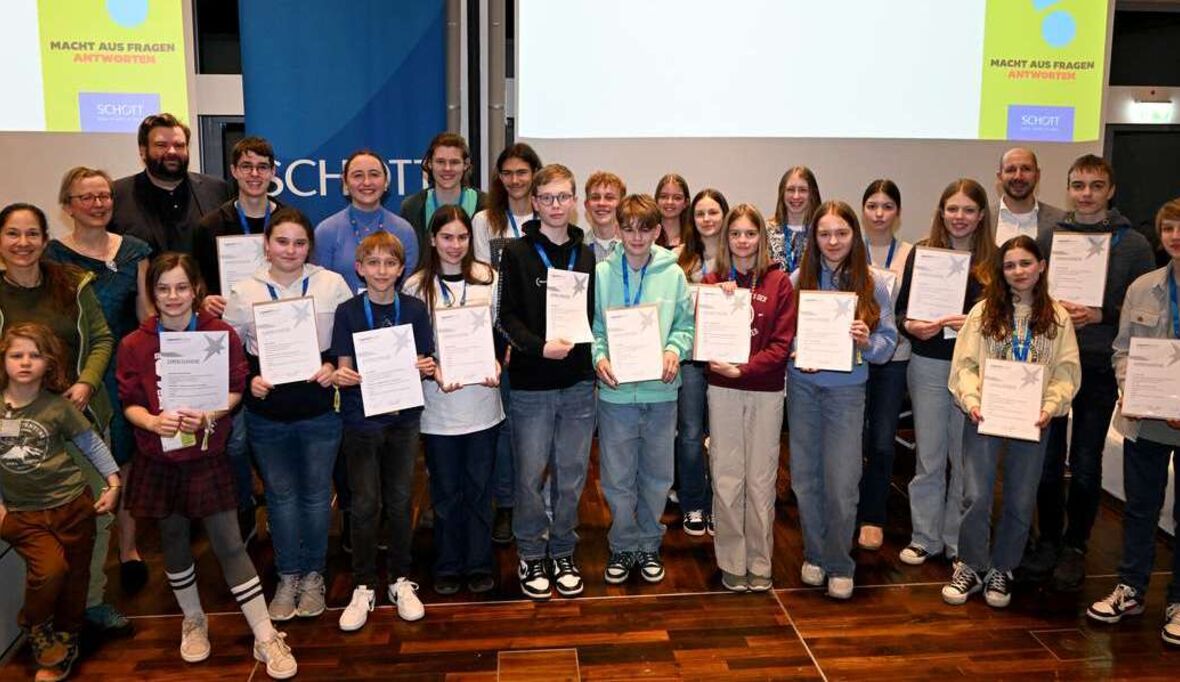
(128, 13)
(1059, 29)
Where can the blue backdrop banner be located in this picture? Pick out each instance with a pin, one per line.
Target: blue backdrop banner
(323, 79)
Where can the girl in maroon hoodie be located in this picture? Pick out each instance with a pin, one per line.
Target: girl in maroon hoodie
(192, 479)
(746, 405)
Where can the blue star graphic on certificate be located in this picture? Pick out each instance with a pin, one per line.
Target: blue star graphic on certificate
(302, 313)
(478, 320)
(843, 308)
(401, 338)
(1031, 376)
(214, 345)
(647, 319)
(1097, 246)
(580, 284)
(957, 266)
(1175, 355)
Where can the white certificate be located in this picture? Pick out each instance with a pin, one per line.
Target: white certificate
(288, 346)
(1152, 386)
(565, 306)
(1011, 400)
(1077, 267)
(723, 325)
(466, 353)
(238, 256)
(823, 339)
(634, 344)
(194, 374)
(938, 285)
(387, 361)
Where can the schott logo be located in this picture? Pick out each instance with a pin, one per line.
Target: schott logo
(309, 177)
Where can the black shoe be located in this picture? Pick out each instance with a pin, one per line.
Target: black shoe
(247, 524)
(502, 526)
(618, 567)
(1036, 566)
(346, 532)
(107, 621)
(566, 576)
(133, 575)
(1071, 570)
(650, 566)
(694, 523)
(534, 579)
(479, 583)
(447, 584)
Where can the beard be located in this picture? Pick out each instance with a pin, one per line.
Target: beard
(1017, 192)
(159, 167)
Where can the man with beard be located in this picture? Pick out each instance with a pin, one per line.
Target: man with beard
(1019, 211)
(162, 204)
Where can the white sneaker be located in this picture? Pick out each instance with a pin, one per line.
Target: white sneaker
(194, 639)
(1171, 630)
(403, 593)
(280, 662)
(356, 614)
(840, 587)
(812, 575)
(311, 596)
(282, 605)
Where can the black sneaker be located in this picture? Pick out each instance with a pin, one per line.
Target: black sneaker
(534, 580)
(694, 523)
(650, 566)
(618, 568)
(1071, 570)
(478, 583)
(1124, 601)
(133, 576)
(502, 526)
(566, 576)
(998, 591)
(1036, 566)
(447, 585)
(963, 584)
(914, 555)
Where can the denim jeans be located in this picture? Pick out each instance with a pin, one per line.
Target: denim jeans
(1023, 461)
(296, 460)
(1092, 409)
(936, 503)
(826, 428)
(381, 467)
(460, 485)
(635, 452)
(551, 432)
(238, 450)
(1145, 475)
(503, 473)
(692, 471)
(884, 397)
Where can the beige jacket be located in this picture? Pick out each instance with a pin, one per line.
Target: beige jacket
(1145, 314)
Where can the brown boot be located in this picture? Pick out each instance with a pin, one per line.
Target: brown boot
(48, 650)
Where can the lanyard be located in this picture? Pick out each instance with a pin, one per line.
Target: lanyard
(355, 221)
(1020, 347)
(888, 256)
(789, 252)
(192, 325)
(512, 222)
(446, 293)
(1175, 304)
(627, 300)
(274, 295)
(245, 223)
(548, 263)
(397, 311)
(733, 275)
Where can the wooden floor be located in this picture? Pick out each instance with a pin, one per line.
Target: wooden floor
(895, 627)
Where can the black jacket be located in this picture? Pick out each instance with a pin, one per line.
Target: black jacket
(135, 215)
(220, 223)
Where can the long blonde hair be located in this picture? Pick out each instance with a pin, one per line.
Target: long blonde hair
(762, 261)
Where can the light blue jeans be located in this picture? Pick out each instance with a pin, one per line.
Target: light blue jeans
(827, 424)
(936, 504)
(551, 433)
(635, 445)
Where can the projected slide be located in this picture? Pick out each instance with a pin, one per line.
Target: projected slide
(904, 69)
(90, 65)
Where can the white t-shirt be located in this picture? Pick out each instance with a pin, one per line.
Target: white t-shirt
(482, 234)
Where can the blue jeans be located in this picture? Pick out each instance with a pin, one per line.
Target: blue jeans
(460, 475)
(238, 450)
(503, 473)
(381, 476)
(296, 460)
(692, 471)
(1023, 461)
(884, 397)
(551, 432)
(936, 504)
(1145, 475)
(635, 461)
(826, 428)
(1092, 409)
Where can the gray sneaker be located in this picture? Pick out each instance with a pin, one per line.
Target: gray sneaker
(311, 596)
(282, 605)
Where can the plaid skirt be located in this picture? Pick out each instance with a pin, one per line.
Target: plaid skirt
(194, 489)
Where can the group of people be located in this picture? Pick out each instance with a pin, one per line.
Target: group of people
(507, 458)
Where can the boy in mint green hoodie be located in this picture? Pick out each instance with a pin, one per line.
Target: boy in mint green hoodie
(637, 421)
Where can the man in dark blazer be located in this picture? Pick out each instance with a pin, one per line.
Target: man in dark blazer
(1019, 212)
(163, 203)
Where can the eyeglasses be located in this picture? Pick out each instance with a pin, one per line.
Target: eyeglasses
(89, 199)
(249, 168)
(550, 199)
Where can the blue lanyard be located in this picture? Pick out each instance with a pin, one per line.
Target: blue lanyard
(512, 222)
(397, 310)
(446, 293)
(789, 251)
(1020, 347)
(245, 223)
(733, 275)
(627, 300)
(888, 257)
(192, 324)
(356, 226)
(274, 295)
(548, 263)
(1175, 304)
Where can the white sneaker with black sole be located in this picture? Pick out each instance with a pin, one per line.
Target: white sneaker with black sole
(566, 576)
(356, 614)
(997, 591)
(964, 583)
(1123, 601)
(534, 579)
